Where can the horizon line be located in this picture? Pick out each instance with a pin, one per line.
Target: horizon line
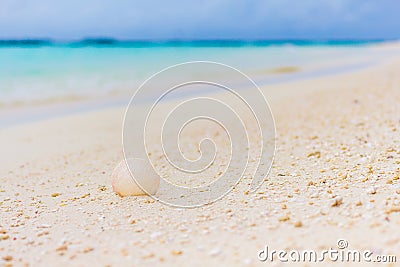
(50, 39)
(108, 41)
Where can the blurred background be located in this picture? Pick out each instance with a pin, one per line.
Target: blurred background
(70, 51)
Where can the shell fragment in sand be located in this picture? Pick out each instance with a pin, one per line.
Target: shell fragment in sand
(125, 185)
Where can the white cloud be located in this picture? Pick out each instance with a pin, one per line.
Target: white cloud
(199, 19)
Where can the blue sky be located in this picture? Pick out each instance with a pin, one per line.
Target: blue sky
(200, 19)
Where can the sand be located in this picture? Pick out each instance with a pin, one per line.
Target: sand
(335, 176)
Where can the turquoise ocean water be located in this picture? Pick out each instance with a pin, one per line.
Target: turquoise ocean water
(35, 70)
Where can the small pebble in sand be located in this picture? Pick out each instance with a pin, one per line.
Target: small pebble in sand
(62, 248)
(316, 154)
(7, 258)
(284, 218)
(393, 209)
(55, 194)
(124, 252)
(4, 237)
(125, 185)
(42, 233)
(298, 224)
(102, 188)
(148, 256)
(342, 176)
(176, 252)
(337, 201)
(370, 170)
(371, 190)
(87, 249)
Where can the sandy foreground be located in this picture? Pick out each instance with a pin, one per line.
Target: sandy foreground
(336, 175)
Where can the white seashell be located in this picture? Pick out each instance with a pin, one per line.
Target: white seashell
(125, 185)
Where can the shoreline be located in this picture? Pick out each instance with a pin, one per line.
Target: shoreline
(67, 83)
(29, 112)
